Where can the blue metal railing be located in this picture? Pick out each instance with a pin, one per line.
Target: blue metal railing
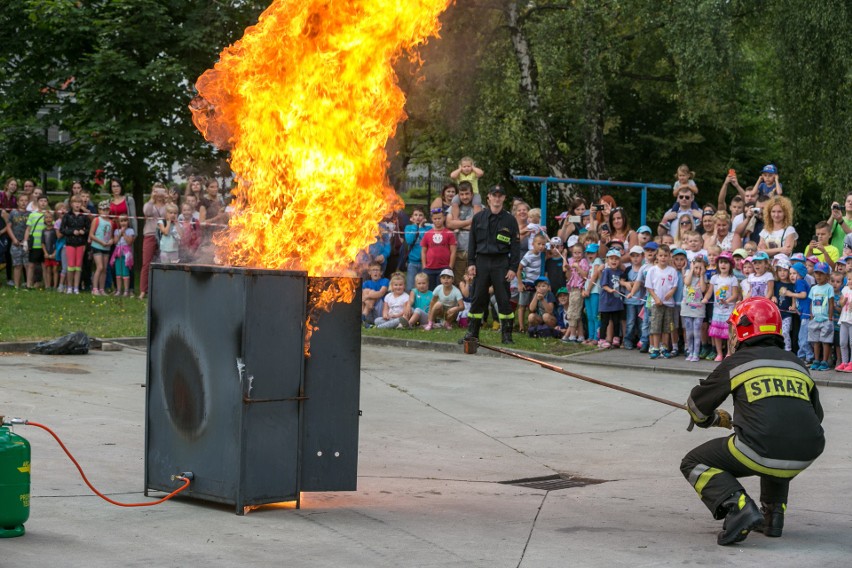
(545, 181)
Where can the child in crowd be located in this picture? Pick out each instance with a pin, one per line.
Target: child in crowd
(692, 307)
(419, 300)
(529, 270)
(762, 282)
(372, 294)
(439, 248)
(693, 243)
(447, 301)
(33, 241)
(413, 235)
(650, 252)
(100, 235)
(189, 229)
(466, 287)
(535, 227)
(554, 263)
(724, 291)
(167, 229)
(88, 208)
(562, 299)
(576, 271)
(845, 329)
(542, 308)
(633, 302)
(59, 211)
(643, 235)
(467, 171)
(396, 309)
(18, 225)
(820, 328)
(784, 286)
(50, 272)
(836, 281)
(611, 306)
(800, 294)
(122, 255)
(75, 229)
(685, 179)
(681, 265)
(661, 285)
(591, 293)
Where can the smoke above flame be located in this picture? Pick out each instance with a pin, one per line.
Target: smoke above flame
(306, 102)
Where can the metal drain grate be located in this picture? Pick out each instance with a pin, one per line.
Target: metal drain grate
(554, 482)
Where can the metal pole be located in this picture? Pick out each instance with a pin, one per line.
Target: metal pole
(583, 377)
(544, 203)
(644, 211)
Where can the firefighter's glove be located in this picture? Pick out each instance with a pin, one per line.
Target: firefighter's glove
(721, 419)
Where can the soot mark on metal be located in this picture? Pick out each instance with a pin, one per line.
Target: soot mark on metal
(183, 387)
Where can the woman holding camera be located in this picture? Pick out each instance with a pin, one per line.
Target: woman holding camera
(778, 234)
(568, 227)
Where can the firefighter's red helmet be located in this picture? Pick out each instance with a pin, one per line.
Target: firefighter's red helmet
(755, 316)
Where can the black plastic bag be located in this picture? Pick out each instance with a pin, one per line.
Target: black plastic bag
(76, 343)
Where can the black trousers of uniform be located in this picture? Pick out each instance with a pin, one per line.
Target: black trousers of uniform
(712, 471)
(491, 271)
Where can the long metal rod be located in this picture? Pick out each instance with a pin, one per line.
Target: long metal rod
(562, 371)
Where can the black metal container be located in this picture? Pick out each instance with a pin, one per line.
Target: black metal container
(231, 395)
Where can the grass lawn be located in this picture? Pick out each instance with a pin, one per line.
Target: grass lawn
(522, 341)
(27, 315)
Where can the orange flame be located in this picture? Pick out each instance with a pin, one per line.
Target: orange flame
(306, 102)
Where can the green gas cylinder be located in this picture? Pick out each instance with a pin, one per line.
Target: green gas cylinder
(14, 483)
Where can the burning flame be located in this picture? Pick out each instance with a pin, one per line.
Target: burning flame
(306, 102)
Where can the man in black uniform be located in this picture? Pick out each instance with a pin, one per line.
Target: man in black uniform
(494, 248)
(777, 426)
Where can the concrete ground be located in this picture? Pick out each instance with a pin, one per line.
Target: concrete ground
(439, 432)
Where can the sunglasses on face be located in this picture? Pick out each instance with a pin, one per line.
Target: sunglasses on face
(684, 197)
(686, 222)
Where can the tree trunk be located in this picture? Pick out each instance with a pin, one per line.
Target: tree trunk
(529, 86)
(594, 104)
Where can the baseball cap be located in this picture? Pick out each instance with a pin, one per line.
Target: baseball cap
(635, 249)
(562, 290)
(760, 256)
(644, 229)
(613, 252)
(740, 252)
(592, 247)
(797, 257)
(615, 243)
(749, 259)
(769, 169)
(447, 272)
(812, 259)
(822, 267)
(103, 205)
(497, 189)
(585, 213)
(555, 242)
(542, 279)
(783, 264)
(800, 270)
(676, 252)
(780, 256)
(725, 255)
(651, 245)
(572, 240)
(562, 215)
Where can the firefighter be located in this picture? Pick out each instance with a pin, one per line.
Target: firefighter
(777, 426)
(494, 248)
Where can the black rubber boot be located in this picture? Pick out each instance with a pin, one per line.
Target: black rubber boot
(506, 329)
(773, 519)
(741, 518)
(473, 327)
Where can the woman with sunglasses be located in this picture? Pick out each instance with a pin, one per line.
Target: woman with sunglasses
(685, 201)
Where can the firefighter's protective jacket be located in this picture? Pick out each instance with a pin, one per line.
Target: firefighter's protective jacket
(777, 413)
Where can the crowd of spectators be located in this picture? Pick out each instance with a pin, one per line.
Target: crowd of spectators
(599, 281)
(78, 245)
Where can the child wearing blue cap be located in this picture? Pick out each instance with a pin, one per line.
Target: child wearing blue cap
(820, 328)
(611, 307)
(591, 293)
(768, 182)
(803, 308)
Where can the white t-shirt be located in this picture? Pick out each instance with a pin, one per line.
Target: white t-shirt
(450, 300)
(723, 288)
(396, 304)
(662, 281)
(757, 284)
(776, 239)
(691, 254)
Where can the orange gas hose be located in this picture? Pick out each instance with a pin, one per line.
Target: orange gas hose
(186, 480)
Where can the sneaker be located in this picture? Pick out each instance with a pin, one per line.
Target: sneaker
(448, 325)
(581, 339)
(654, 354)
(815, 366)
(404, 323)
(848, 368)
(694, 359)
(711, 355)
(718, 357)
(76, 290)
(840, 367)
(666, 353)
(616, 342)
(571, 338)
(604, 344)
(823, 366)
(428, 327)
(643, 348)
